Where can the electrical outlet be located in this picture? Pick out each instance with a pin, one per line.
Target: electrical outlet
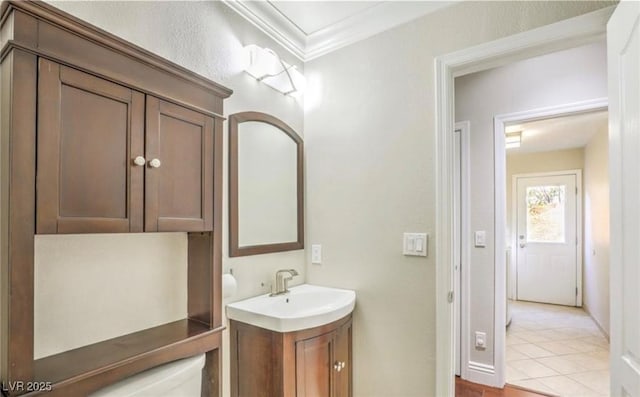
(481, 340)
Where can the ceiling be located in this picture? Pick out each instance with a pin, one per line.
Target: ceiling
(559, 133)
(309, 29)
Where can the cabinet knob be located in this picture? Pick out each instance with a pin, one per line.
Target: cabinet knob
(155, 163)
(339, 365)
(139, 161)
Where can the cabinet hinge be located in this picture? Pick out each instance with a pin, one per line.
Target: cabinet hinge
(450, 296)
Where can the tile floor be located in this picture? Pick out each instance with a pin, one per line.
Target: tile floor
(557, 350)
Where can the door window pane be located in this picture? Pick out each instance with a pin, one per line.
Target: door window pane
(545, 214)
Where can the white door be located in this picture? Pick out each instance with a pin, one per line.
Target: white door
(547, 239)
(623, 45)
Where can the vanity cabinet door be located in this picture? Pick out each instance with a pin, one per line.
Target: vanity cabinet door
(89, 132)
(342, 362)
(314, 359)
(179, 175)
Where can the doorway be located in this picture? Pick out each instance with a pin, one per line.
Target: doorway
(484, 360)
(623, 39)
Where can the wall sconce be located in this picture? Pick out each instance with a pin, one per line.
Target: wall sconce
(266, 66)
(513, 139)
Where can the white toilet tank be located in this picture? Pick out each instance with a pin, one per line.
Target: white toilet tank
(182, 378)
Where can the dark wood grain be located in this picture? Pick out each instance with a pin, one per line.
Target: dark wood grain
(179, 194)
(199, 278)
(343, 385)
(17, 189)
(469, 389)
(86, 369)
(314, 359)
(234, 244)
(87, 120)
(300, 363)
(85, 163)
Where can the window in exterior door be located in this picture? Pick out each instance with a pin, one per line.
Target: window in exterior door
(545, 214)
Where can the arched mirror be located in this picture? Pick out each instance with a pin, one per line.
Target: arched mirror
(265, 185)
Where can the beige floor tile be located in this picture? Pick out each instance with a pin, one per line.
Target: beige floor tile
(557, 347)
(597, 381)
(533, 336)
(588, 362)
(532, 368)
(562, 365)
(512, 355)
(514, 374)
(532, 350)
(581, 346)
(569, 354)
(565, 386)
(599, 341)
(533, 384)
(514, 339)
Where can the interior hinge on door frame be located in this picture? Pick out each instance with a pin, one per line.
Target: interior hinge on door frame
(576, 291)
(450, 297)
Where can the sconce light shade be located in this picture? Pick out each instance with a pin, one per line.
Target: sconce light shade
(513, 139)
(266, 66)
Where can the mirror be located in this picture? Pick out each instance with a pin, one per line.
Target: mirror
(265, 185)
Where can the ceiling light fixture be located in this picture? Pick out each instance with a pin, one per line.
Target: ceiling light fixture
(513, 139)
(266, 66)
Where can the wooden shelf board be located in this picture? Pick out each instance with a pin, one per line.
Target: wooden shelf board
(127, 354)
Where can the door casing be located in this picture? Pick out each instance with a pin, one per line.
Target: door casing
(560, 35)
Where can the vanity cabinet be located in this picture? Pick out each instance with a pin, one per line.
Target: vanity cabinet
(315, 362)
(100, 136)
(112, 159)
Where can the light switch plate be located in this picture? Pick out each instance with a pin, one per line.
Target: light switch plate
(481, 238)
(415, 244)
(316, 254)
(481, 340)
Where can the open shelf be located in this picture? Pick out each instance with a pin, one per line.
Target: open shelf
(123, 356)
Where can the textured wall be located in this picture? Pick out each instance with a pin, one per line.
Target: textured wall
(596, 233)
(206, 37)
(370, 138)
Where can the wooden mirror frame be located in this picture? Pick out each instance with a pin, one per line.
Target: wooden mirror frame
(234, 232)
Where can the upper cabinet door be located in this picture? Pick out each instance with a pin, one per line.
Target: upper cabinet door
(89, 132)
(179, 174)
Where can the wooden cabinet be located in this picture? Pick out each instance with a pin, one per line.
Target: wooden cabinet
(100, 136)
(100, 170)
(315, 362)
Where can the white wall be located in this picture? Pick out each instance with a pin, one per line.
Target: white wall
(370, 138)
(568, 76)
(596, 236)
(206, 37)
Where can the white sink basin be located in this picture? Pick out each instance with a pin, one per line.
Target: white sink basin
(305, 306)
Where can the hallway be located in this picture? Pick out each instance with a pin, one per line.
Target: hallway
(556, 349)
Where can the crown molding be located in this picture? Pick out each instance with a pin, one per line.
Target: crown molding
(367, 23)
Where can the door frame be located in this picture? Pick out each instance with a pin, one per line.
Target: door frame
(569, 109)
(461, 233)
(564, 34)
(579, 219)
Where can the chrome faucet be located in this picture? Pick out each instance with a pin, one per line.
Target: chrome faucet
(281, 281)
